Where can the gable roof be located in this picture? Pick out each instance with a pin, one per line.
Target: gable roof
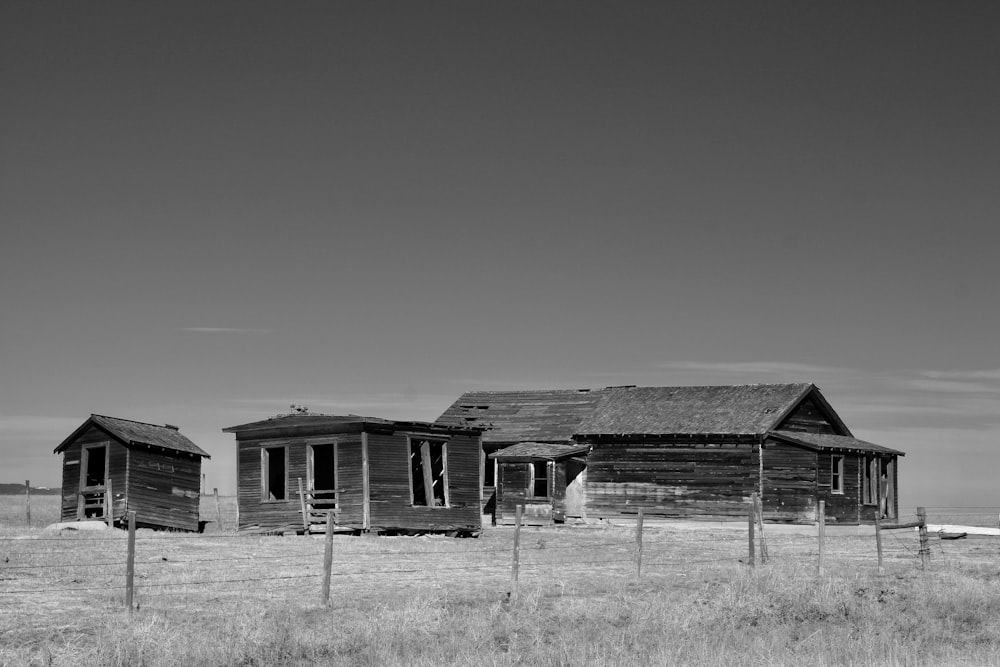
(548, 451)
(520, 416)
(824, 441)
(137, 433)
(752, 409)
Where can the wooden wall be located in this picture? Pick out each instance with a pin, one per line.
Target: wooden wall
(164, 488)
(512, 490)
(671, 478)
(387, 505)
(840, 507)
(789, 483)
(808, 417)
(389, 485)
(72, 460)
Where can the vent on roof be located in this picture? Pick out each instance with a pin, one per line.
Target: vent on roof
(622, 386)
(171, 427)
(770, 410)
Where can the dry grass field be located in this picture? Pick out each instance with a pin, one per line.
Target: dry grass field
(225, 599)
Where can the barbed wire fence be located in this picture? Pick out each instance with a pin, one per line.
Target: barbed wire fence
(148, 569)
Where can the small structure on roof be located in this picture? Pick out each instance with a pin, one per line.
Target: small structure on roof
(112, 466)
(681, 452)
(370, 474)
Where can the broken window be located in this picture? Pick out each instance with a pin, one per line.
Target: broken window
(836, 473)
(428, 473)
(538, 479)
(273, 464)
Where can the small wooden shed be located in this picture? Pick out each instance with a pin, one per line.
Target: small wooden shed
(111, 466)
(373, 474)
(546, 479)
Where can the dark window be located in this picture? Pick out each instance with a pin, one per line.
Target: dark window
(428, 473)
(273, 469)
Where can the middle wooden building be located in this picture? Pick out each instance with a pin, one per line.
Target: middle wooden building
(370, 474)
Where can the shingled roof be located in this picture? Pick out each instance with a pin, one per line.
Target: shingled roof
(539, 451)
(137, 433)
(518, 416)
(827, 442)
(559, 414)
(741, 409)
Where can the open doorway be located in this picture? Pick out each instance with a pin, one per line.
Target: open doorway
(93, 482)
(322, 493)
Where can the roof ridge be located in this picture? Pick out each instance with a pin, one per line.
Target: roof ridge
(133, 421)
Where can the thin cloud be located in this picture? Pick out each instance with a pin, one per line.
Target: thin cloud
(985, 374)
(225, 330)
(758, 368)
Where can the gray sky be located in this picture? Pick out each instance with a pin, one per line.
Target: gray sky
(213, 210)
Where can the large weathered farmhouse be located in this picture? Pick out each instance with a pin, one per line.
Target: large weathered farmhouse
(372, 474)
(678, 452)
(112, 466)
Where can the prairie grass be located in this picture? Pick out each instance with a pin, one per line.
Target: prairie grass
(255, 600)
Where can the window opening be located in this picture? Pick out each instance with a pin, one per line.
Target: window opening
(837, 473)
(429, 473)
(538, 479)
(273, 473)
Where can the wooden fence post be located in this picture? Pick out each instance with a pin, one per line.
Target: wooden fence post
(218, 509)
(328, 559)
(302, 504)
(760, 527)
(638, 545)
(109, 503)
(751, 520)
(925, 550)
(878, 541)
(515, 565)
(821, 526)
(27, 502)
(130, 563)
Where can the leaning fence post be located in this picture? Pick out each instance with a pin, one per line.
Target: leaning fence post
(328, 559)
(130, 563)
(302, 503)
(878, 541)
(27, 502)
(751, 519)
(925, 550)
(517, 544)
(638, 545)
(821, 529)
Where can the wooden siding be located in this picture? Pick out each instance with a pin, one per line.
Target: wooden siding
(808, 417)
(117, 465)
(676, 479)
(163, 488)
(840, 507)
(789, 482)
(373, 480)
(512, 490)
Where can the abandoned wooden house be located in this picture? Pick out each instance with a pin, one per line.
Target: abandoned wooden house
(688, 453)
(112, 466)
(369, 474)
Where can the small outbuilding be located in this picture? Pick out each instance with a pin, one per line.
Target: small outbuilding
(370, 474)
(112, 466)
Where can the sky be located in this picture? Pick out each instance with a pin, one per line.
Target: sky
(212, 211)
